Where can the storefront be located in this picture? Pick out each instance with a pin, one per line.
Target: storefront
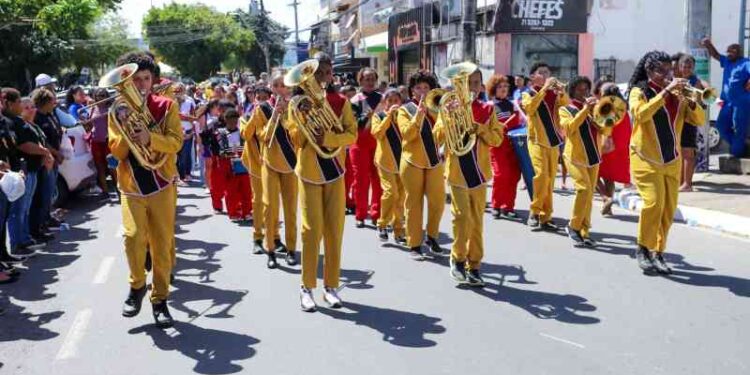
(406, 37)
(553, 31)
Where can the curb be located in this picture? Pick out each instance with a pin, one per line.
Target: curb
(692, 216)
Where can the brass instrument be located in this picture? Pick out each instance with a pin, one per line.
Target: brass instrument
(702, 97)
(165, 89)
(274, 121)
(459, 124)
(609, 110)
(130, 106)
(311, 110)
(557, 85)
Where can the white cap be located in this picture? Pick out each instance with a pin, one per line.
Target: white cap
(44, 80)
(13, 186)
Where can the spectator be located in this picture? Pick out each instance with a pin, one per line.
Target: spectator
(685, 68)
(45, 119)
(262, 94)
(44, 81)
(9, 162)
(76, 100)
(249, 103)
(187, 117)
(99, 140)
(207, 116)
(522, 86)
(383, 87)
(349, 91)
(404, 91)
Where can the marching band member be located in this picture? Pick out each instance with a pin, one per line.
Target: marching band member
(250, 125)
(279, 180)
(582, 156)
(541, 104)
(388, 158)
(505, 165)
(467, 176)
(233, 148)
(148, 203)
(362, 152)
(659, 114)
(421, 166)
(322, 191)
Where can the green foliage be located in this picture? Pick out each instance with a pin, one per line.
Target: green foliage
(270, 36)
(109, 40)
(195, 39)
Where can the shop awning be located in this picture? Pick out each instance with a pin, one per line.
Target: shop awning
(376, 43)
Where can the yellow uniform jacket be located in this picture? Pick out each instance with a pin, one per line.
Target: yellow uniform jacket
(249, 127)
(386, 133)
(277, 150)
(419, 147)
(582, 135)
(541, 108)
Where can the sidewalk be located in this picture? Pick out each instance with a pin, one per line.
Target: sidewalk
(720, 201)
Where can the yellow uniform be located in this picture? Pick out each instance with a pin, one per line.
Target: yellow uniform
(322, 195)
(541, 108)
(467, 176)
(582, 156)
(655, 164)
(278, 163)
(387, 158)
(251, 159)
(421, 170)
(148, 198)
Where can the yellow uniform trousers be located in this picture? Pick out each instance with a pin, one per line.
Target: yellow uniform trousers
(418, 184)
(658, 186)
(544, 160)
(467, 206)
(322, 218)
(392, 202)
(259, 209)
(284, 185)
(585, 179)
(150, 221)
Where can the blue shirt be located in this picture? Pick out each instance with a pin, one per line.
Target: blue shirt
(729, 67)
(73, 111)
(517, 94)
(735, 88)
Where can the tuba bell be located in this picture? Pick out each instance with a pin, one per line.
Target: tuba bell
(129, 114)
(311, 110)
(609, 110)
(459, 124)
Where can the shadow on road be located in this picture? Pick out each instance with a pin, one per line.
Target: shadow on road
(214, 351)
(18, 324)
(188, 292)
(400, 328)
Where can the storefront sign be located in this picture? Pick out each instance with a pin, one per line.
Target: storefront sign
(407, 34)
(519, 16)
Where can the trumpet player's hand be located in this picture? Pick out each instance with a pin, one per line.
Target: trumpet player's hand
(280, 105)
(142, 137)
(452, 106)
(393, 108)
(591, 101)
(549, 82)
(675, 85)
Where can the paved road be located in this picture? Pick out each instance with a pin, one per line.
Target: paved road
(547, 309)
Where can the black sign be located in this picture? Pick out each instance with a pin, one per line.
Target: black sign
(525, 16)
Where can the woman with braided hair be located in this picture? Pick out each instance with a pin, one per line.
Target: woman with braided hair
(658, 118)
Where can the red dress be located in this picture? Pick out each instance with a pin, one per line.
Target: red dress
(505, 166)
(615, 165)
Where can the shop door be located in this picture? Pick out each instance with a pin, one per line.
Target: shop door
(408, 63)
(560, 51)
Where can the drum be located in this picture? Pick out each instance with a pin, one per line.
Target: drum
(518, 138)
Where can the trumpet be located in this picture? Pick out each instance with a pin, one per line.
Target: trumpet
(274, 120)
(703, 97)
(557, 85)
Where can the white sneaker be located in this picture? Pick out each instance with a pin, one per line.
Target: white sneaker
(332, 298)
(307, 301)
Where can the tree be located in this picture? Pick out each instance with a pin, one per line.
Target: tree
(195, 39)
(36, 35)
(109, 40)
(268, 49)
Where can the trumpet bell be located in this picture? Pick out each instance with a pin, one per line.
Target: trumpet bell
(709, 95)
(610, 110)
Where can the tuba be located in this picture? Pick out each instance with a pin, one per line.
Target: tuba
(459, 124)
(311, 109)
(609, 111)
(130, 105)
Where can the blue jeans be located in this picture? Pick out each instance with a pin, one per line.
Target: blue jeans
(4, 205)
(41, 204)
(18, 220)
(185, 159)
(732, 123)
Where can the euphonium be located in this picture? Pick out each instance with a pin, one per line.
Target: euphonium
(318, 118)
(130, 106)
(609, 110)
(459, 124)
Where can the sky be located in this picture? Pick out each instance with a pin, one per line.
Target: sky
(134, 10)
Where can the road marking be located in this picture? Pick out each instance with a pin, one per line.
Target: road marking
(562, 340)
(104, 268)
(69, 347)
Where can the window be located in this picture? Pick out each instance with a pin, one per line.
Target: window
(560, 51)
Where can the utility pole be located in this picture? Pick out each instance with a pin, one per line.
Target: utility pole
(294, 5)
(469, 34)
(697, 27)
(263, 43)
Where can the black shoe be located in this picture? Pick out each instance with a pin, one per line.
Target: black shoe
(643, 256)
(271, 263)
(575, 235)
(434, 246)
(162, 317)
(660, 265)
(400, 240)
(9, 270)
(383, 234)
(280, 247)
(43, 237)
(53, 223)
(416, 253)
(374, 222)
(12, 259)
(474, 278)
(350, 210)
(360, 224)
(509, 214)
(291, 258)
(24, 252)
(588, 242)
(132, 305)
(258, 247)
(549, 226)
(458, 271)
(497, 213)
(533, 222)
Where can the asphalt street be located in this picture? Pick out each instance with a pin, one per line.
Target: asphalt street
(548, 308)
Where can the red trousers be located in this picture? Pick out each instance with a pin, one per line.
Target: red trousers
(507, 173)
(349, 181)
(220, 172)
(239, 196)
(365, 178)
